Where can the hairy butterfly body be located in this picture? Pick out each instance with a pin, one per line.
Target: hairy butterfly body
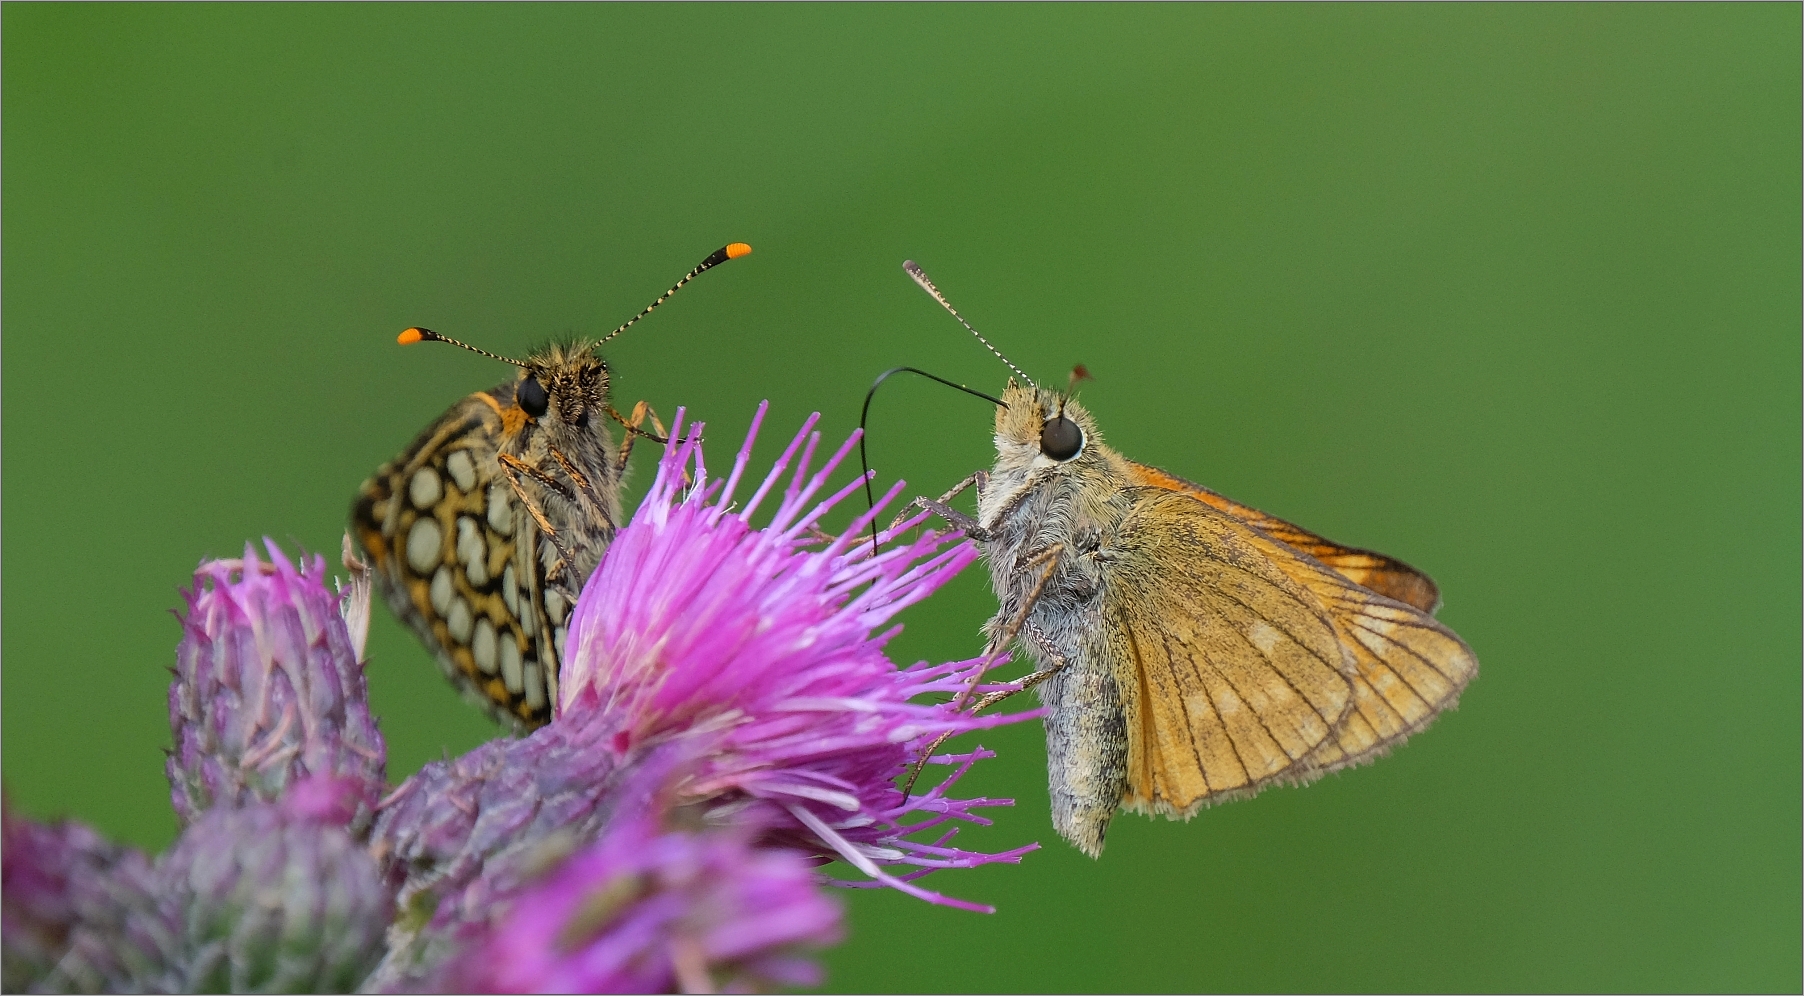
(482, 532)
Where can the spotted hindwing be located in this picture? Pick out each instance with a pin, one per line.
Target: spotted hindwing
(460, 558)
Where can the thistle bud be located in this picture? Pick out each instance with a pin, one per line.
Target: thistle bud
(461, 834)
(272, 900)
(80, 913)
(268, 689)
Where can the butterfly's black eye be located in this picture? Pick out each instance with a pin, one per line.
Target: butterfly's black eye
(532, 397)
(1060, 439)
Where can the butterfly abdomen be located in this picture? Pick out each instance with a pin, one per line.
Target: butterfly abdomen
(1086, 751)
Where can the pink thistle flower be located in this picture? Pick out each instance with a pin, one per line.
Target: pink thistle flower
(698, 625)
(737, 666)
(727, 721)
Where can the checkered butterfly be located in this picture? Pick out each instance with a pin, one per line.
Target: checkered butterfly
(482, 532)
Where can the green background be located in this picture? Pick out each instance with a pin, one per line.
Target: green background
(1509, 292)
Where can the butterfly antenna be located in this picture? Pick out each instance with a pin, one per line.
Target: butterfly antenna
(715, 258)
(413, 335)
(870, 496)
(920, 277)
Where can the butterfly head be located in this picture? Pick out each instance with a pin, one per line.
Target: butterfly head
(563, 385)
(1045, 442)
(1043, 430)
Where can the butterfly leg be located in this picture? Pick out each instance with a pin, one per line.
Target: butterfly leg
(959, 520)
(1008, 506)
(1049, 558)
(519, 466)
(513, 467)
(584, 486)
(940, 507)
(633, 432)
(1048, 561)
(1058, 664)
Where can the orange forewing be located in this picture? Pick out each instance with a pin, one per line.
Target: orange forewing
(1387, 576)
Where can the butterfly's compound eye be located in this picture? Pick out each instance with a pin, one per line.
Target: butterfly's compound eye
(532, 397)
(1061, 439)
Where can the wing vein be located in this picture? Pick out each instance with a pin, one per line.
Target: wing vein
(1411, 651)
(1190, 734)
(1271, 665)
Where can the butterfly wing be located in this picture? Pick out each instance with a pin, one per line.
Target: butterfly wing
(1387, 576)
(1408, 666)
(459, 559)
(1237, 672)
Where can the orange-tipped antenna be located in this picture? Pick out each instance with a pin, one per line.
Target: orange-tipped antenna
(920, 277)
(410, 336)
(732, 250)
(1079, 374)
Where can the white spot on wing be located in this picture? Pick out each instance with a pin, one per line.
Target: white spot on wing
(482, 647)
(511, 674)
(423, 545)
(472, 551)
(501, 508)
(510, 657)
(458, 620)
(424, 490)
(441, 589)
(462, 470)
(1263, 636)
(535, 685)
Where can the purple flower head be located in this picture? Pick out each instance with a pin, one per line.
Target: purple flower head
(470, 839)
(646, 909)
(698, 625)
(268, 689)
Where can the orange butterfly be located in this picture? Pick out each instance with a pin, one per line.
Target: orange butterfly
(1192, 650)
